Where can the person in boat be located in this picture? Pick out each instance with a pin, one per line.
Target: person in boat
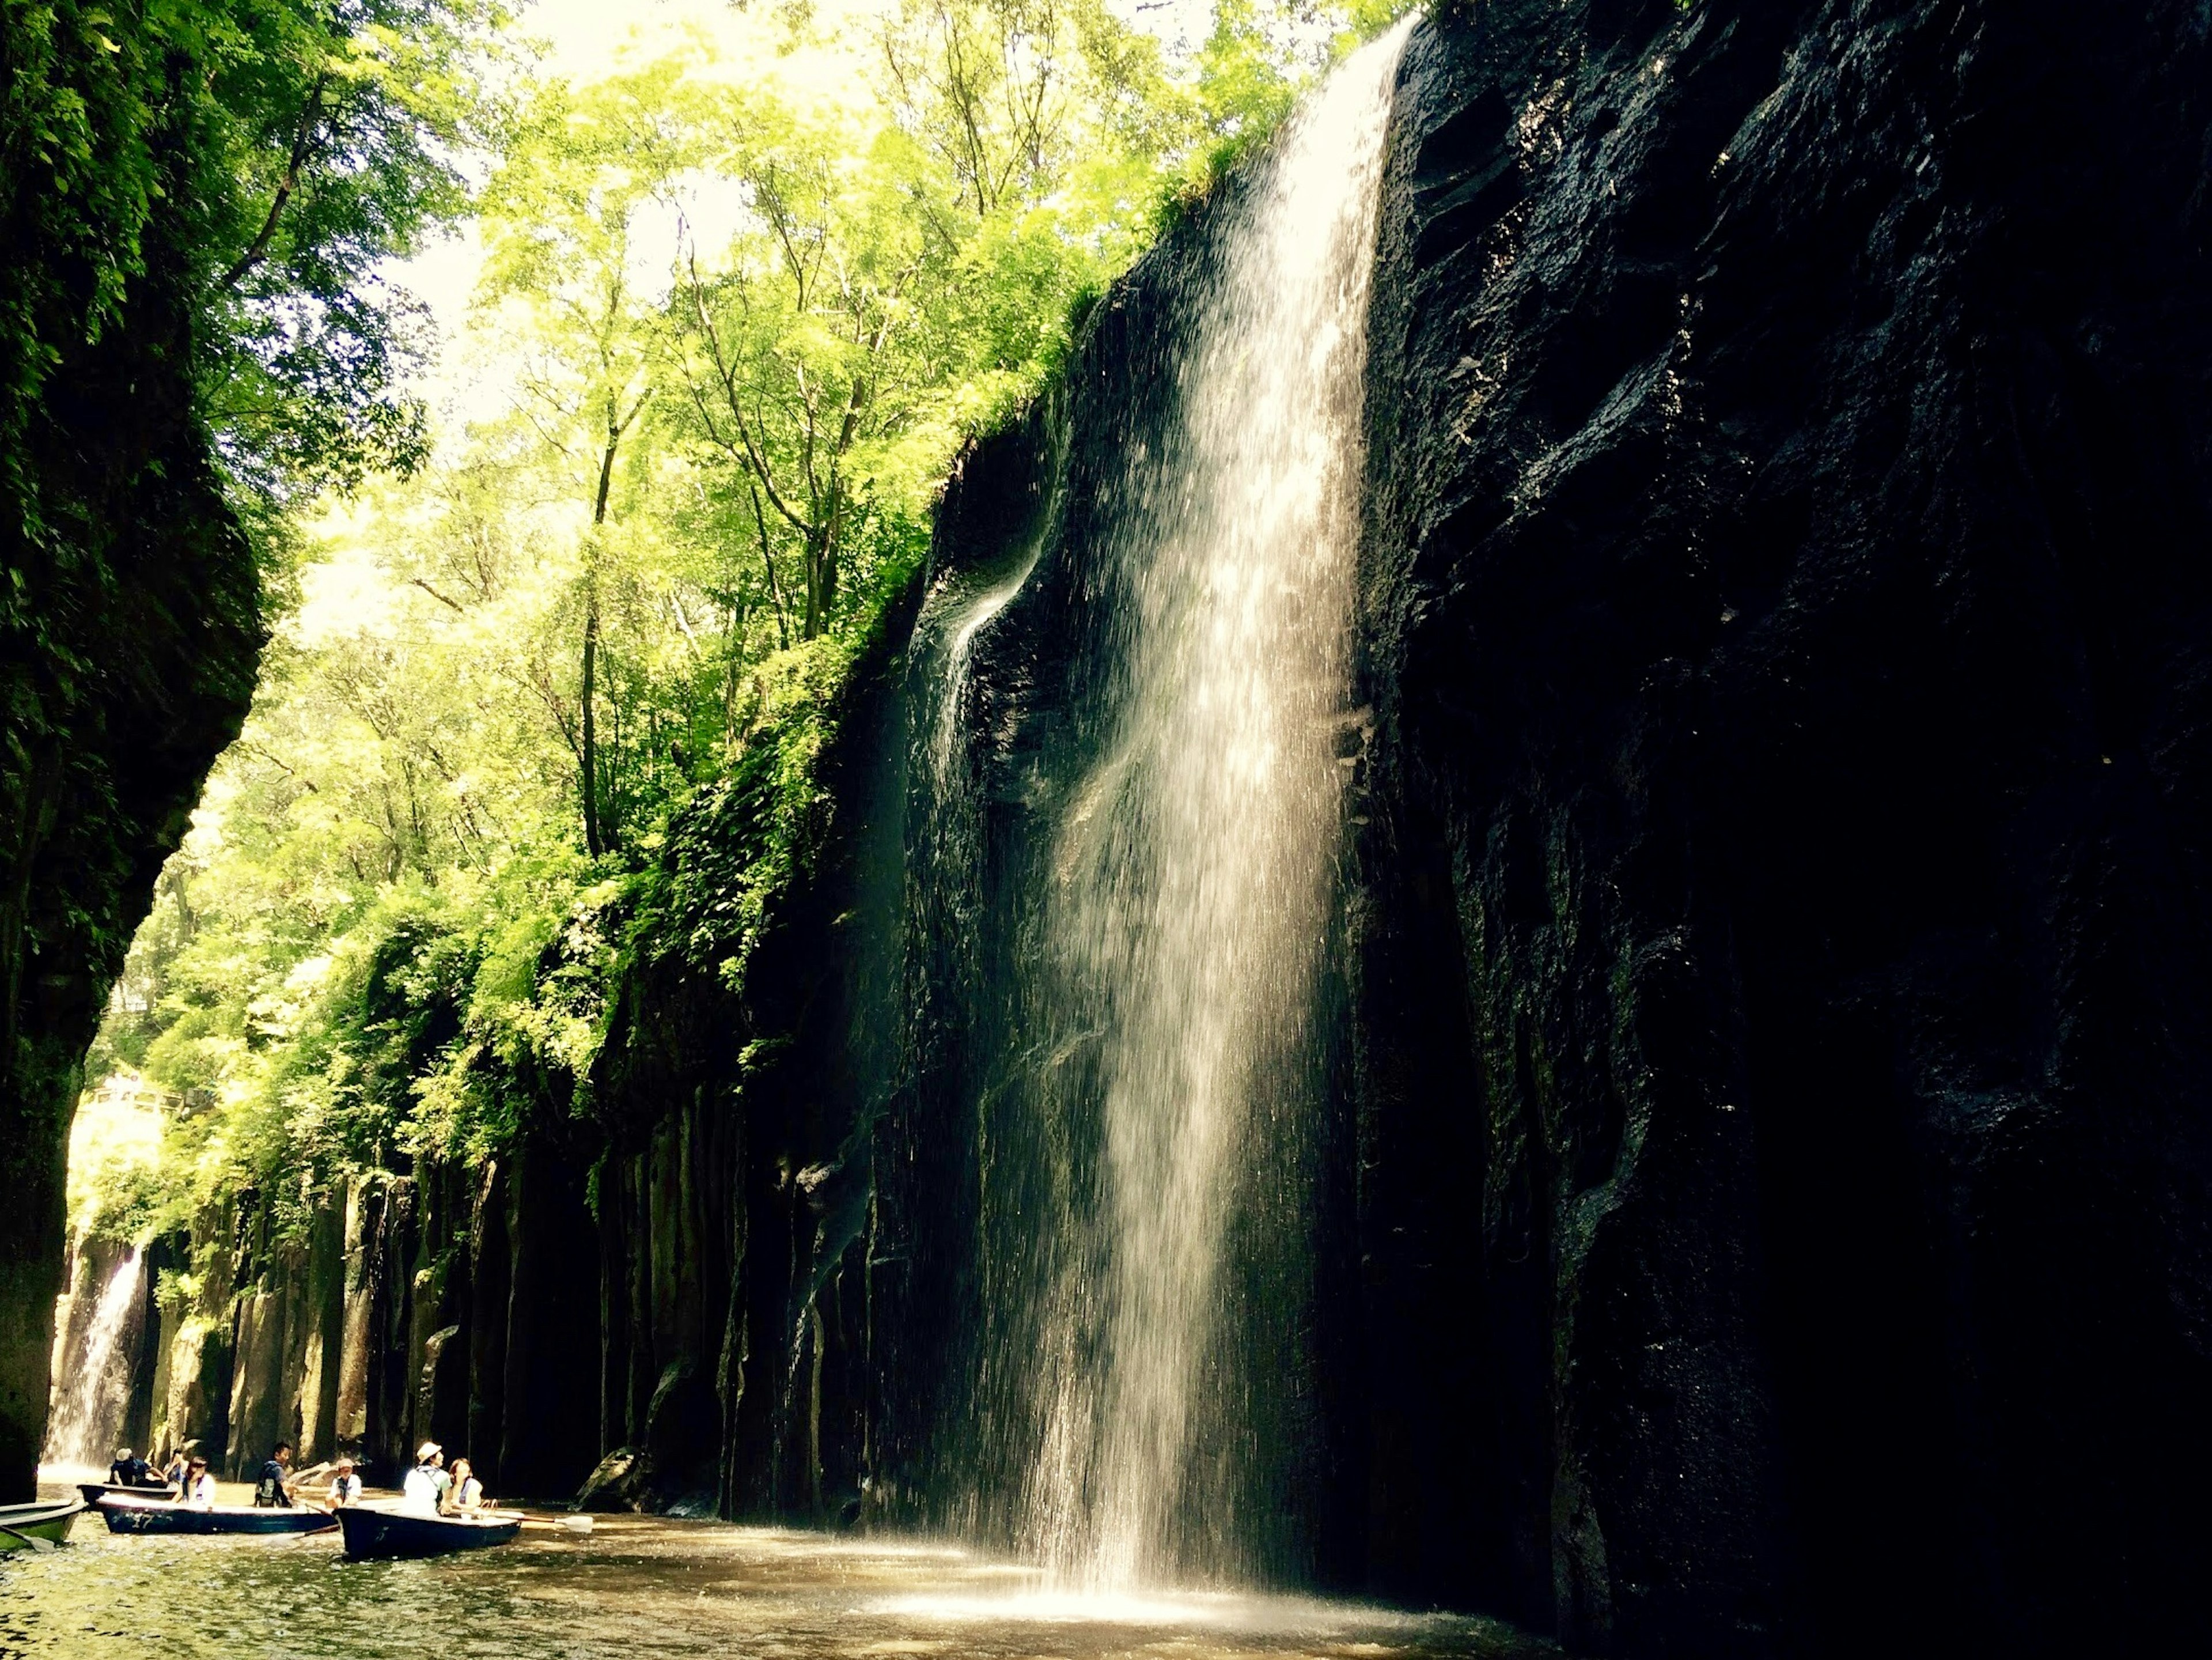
(129, 1471)
(272, 1488)
(424, 1488)
(345, 1486)
(199, 1489)
(179, 1466)
(467, 1496)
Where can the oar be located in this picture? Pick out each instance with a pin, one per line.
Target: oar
(29, 1539)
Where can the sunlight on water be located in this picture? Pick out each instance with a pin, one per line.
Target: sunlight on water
(1217, 1610)
(646, 1589)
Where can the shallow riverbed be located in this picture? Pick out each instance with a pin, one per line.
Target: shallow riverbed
(642, 1588)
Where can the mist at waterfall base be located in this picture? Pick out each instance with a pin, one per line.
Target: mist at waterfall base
(1122, 903)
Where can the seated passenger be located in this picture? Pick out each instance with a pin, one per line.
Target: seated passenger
(129, 1471)
(468, 1492)
(199, 1486)
(345, 1486)
(424, 1489)
(272, 1489)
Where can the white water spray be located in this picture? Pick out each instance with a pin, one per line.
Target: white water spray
(90, 1399)
(1193, 873)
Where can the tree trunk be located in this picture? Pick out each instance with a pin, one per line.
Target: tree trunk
(594, 843)
(596, 839)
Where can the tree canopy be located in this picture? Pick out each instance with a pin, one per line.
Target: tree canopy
(741, 317)
(282, 150)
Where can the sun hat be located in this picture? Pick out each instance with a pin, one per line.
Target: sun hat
(429, 1449)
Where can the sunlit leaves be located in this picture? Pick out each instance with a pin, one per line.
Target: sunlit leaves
(744, 326)
(268, 154)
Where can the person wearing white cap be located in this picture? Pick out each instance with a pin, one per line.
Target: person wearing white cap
(345, 1486)
(424, 1489)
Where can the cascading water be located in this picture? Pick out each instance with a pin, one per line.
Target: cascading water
(1145, 1130)
(94, 1382)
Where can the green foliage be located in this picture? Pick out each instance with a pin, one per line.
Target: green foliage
(561, 702)
(270, 154)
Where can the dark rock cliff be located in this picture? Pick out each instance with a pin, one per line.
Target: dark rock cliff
(129, 635)
(1785, 1155)
(733, 1200)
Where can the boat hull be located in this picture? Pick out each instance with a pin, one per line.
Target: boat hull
(23, 1526)
(93, 1492)
(376, 1532)
(140, 1516)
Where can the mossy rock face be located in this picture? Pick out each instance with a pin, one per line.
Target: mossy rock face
(199, 1389)
(130, 637)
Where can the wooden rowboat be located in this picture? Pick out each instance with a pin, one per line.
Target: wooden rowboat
(39, 1526)
(374, 1531)
(127, 1515)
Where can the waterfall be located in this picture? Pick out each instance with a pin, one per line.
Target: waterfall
(93, 1385)
(1145, 1131)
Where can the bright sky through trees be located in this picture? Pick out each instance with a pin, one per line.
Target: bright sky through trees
(585, 41)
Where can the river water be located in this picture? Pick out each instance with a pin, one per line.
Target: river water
(639, 1588)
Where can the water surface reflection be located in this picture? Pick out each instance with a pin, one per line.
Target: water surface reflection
(642, 1587)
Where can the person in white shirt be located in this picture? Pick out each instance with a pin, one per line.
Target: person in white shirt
(424, 1489)
(345, 1486)
(199, 1486)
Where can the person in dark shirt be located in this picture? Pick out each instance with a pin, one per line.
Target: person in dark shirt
(129, 1470)
(269, 1490)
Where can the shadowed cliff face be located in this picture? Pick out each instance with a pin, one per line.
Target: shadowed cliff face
(1786, 1197)
(129, 640)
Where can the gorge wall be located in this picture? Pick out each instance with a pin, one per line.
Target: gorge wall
(130, 637)
(1781, 911)
(1759, 1193)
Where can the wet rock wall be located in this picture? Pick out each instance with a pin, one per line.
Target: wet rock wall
(455, 1304)
(1768, 1207)
(1786, 1174)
